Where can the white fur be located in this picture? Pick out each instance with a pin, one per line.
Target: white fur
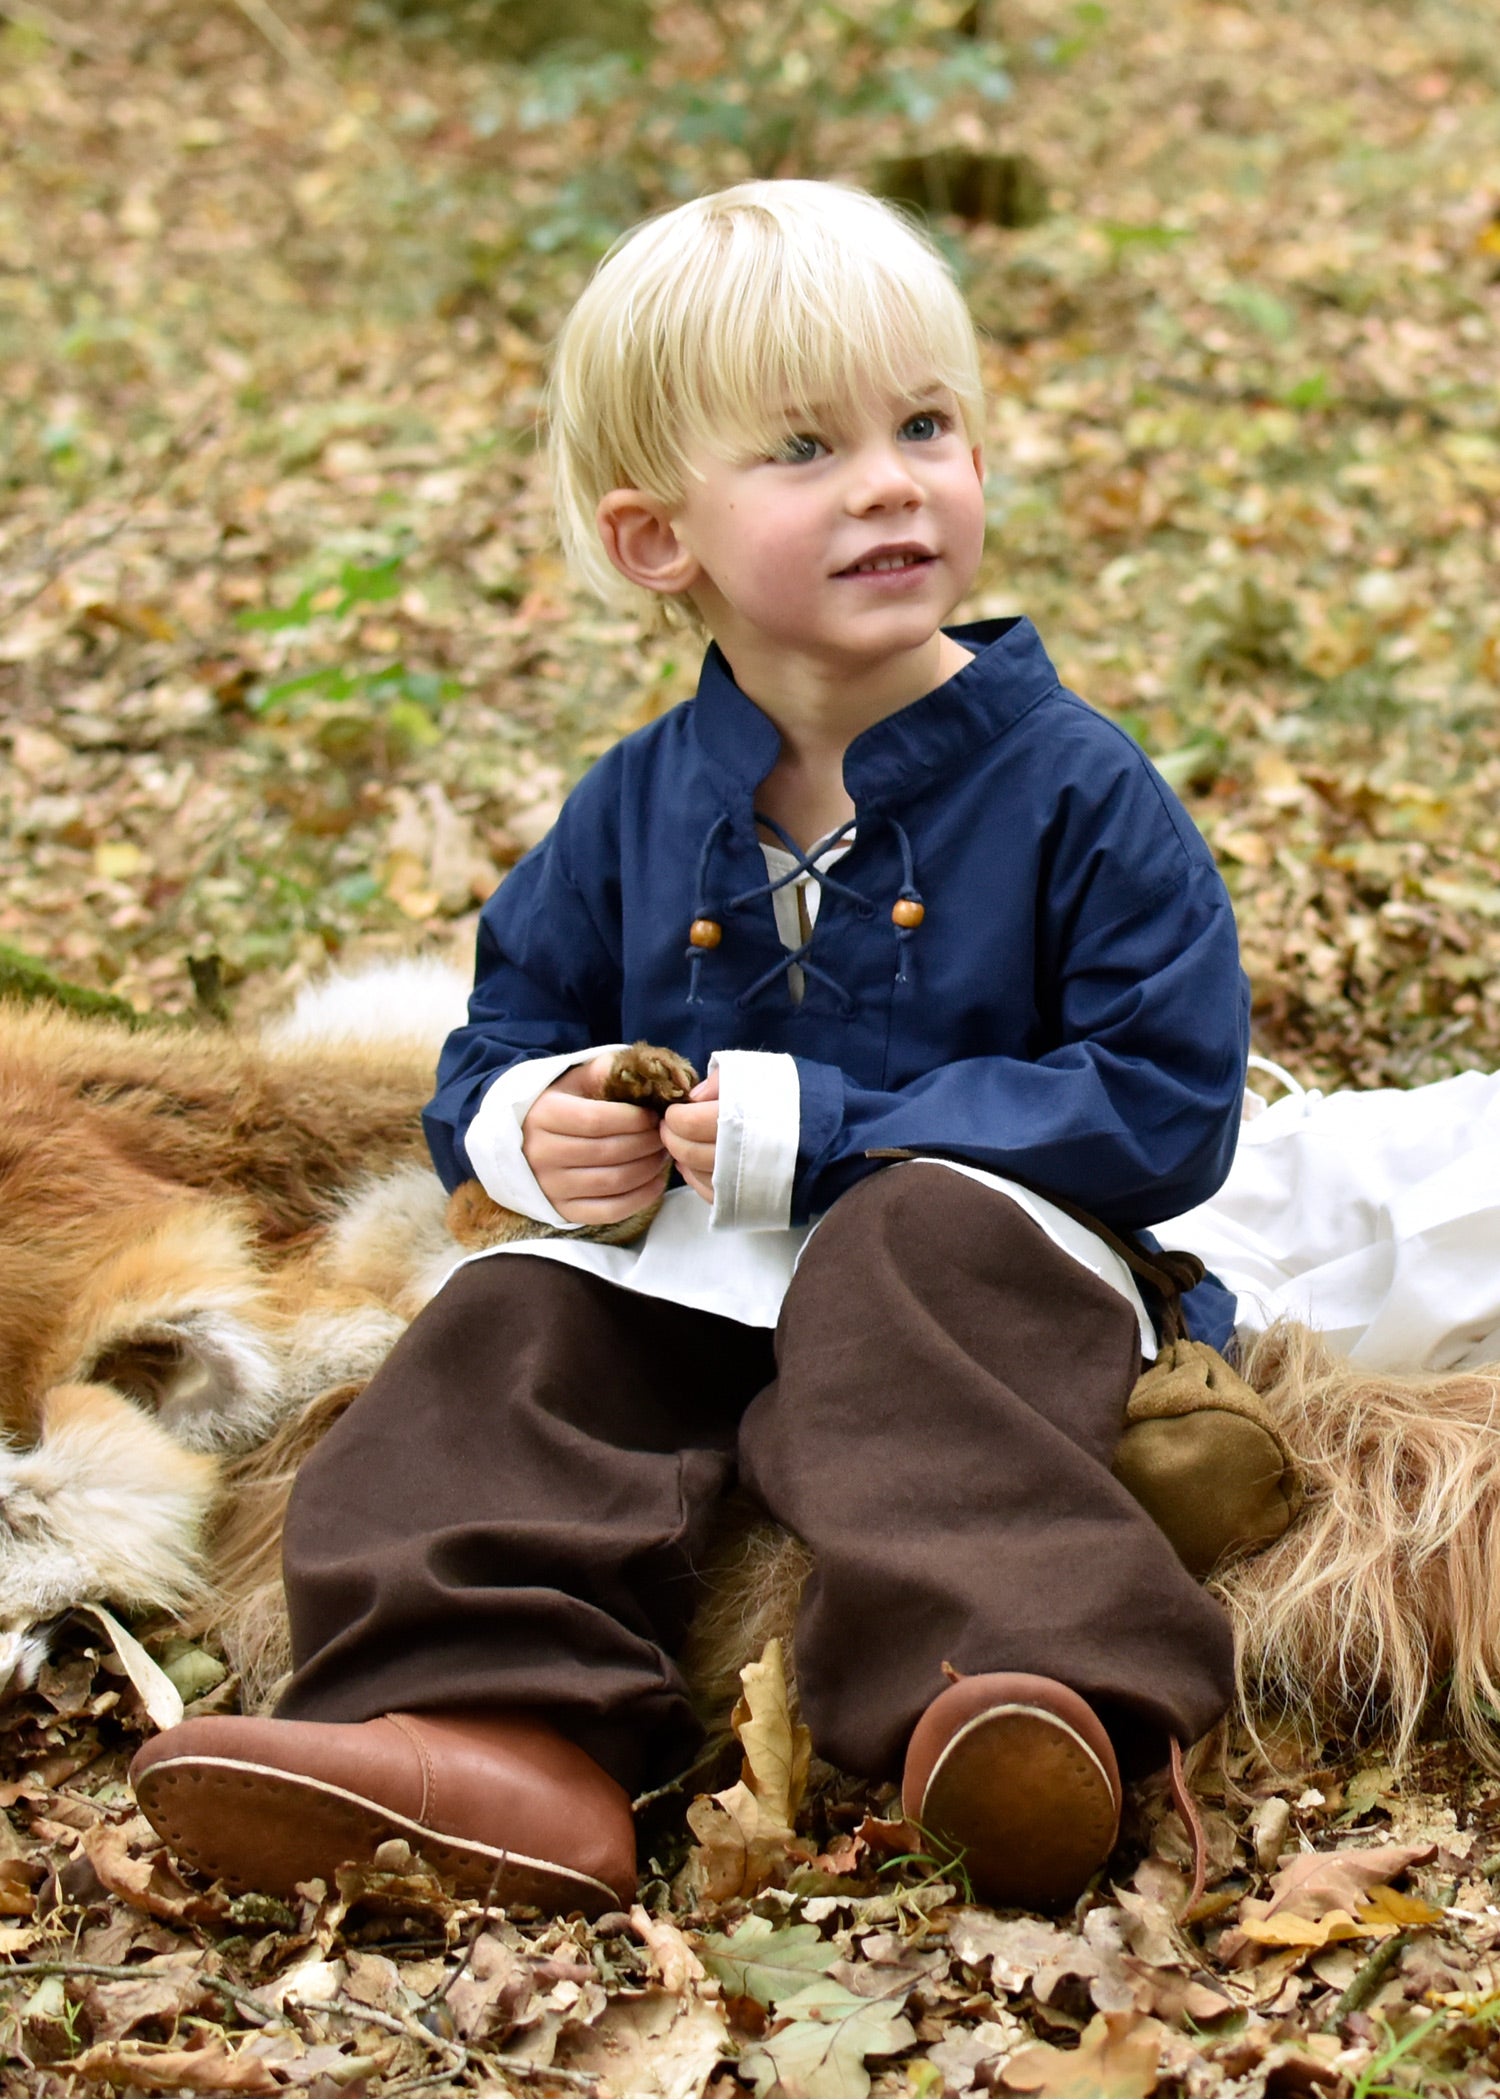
(106, 1504)
(391, 1239)
(419, 999)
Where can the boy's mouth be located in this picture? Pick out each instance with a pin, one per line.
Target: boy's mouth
(881, 560)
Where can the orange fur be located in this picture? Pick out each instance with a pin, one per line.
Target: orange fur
(210, 1240)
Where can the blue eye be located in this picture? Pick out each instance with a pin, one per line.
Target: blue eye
(797, 450)
(925, 427)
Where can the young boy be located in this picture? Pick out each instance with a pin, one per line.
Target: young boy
(942, 942)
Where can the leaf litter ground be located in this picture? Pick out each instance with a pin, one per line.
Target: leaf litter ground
(289, 669)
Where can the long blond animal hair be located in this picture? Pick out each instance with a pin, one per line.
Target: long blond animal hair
(1383, 1598)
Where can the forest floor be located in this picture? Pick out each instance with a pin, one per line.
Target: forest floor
(290, 670)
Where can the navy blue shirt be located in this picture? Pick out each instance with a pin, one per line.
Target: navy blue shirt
(1069, 1012)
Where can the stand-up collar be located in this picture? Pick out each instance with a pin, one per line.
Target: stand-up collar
(1009, 674)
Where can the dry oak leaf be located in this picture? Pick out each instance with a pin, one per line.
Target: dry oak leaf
(117, 2004)
(778, 1749)
(821, 2048)
(146, 1884)
(765, 1962)
(1116, 2059)
(1377, 1917)
(739, 1848)
(1316, 1882)
(140, 2067)
(745, 1833)
(1019, 1950)
(493, 1992)
(651, 2044)
(677, 1967)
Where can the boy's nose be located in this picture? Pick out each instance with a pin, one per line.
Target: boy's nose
(880, 479)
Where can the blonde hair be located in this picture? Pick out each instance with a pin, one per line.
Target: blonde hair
(708, 327)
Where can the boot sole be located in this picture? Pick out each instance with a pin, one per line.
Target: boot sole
(1026, 1804)
(273, 1829)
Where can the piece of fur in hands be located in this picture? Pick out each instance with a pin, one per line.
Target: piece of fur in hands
(644, 1075)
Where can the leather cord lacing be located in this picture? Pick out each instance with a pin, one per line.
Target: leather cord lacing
(705, 911)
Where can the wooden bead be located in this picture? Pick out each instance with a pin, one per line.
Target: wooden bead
(705, 933)
(906, 911)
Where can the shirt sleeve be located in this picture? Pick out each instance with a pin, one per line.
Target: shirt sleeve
(1133, 1112)
(546, 990)
(494, 1138)
(755, 1158)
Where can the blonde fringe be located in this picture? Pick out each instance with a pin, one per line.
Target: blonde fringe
(1383, 1599)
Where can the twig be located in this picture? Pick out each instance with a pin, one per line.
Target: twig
(236, 1994)
(444, 1985)
(461, 2058)
(283, 38)
(1367, 1980)
(485, 2063)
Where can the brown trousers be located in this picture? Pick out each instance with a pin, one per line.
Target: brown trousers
(513, 1513)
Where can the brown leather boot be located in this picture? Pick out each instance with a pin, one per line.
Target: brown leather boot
(488, 1799)
(1017, 1775)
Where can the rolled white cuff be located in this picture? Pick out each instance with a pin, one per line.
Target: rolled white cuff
(493, 1139)
(760, 1120)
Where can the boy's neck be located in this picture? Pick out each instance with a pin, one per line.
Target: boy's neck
(819, 710)
(821, 706)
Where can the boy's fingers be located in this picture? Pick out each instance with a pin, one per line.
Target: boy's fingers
(577, 1115)
(608, 1210)
(692, 1122)
(707, 1089)
(602, 1184)
(559, 1149)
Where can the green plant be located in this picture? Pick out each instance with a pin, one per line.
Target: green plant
(1371, 2082)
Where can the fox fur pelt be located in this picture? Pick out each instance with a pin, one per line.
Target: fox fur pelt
(211, 1239)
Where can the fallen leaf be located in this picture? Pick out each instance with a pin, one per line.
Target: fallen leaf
(777, 1748)
(1368, 1789)
(146, 1884)
(1268, 1831)
(677, 1967)
(1291, 1929)
(1319, 1881)
(890, 1839)
(1395, 1907)
(1016, 1950)
(141, 2067)
(115, 2006)
(968, 2051)
(738, 1848)
(1116, 2059)
(821, 2050)
(161, 1698)
(655, 2044)
(767, 1962)
(493, 1993)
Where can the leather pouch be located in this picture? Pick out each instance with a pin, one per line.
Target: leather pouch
(1203, 1457)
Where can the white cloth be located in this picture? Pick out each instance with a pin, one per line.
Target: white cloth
(1374, 1217)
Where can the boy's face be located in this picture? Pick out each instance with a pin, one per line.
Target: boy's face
(851, 544)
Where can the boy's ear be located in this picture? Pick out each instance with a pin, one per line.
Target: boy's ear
(641, 540)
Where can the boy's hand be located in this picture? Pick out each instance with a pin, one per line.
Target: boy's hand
(690, 1132)
(595, 1161)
